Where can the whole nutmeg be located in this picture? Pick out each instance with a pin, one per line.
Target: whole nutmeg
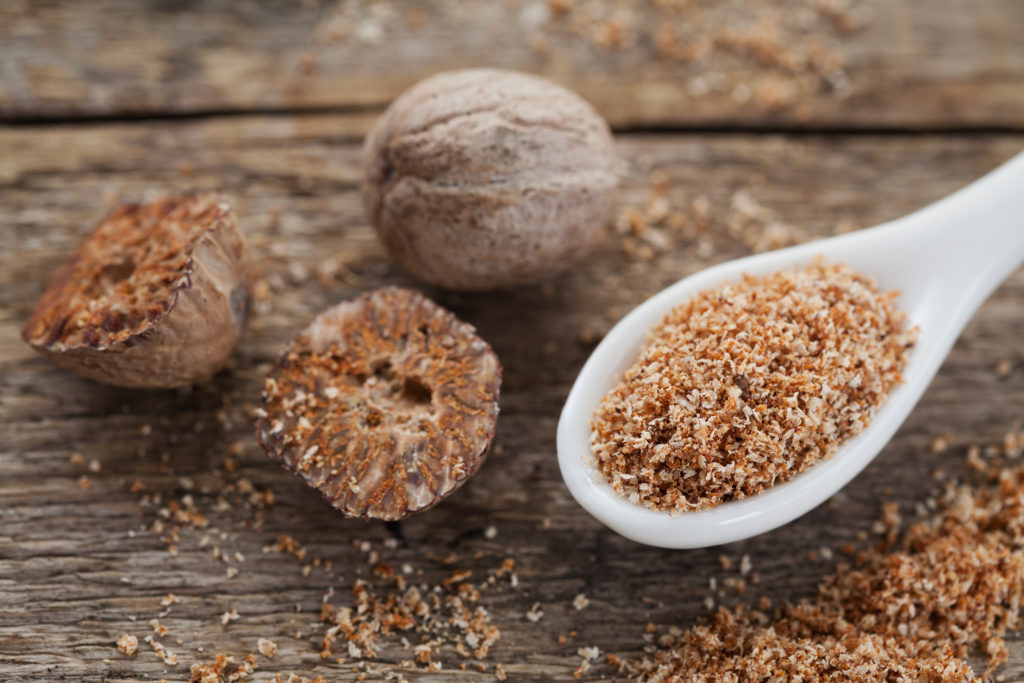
(480, 179)
(155, 297)
(385, 404)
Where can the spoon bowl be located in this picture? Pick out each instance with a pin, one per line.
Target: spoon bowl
(944, 259)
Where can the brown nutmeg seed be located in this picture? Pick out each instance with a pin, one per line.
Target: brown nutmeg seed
(482, 178)
(385, 403)
(156, 296)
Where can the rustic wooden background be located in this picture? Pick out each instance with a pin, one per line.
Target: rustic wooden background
(107, 101)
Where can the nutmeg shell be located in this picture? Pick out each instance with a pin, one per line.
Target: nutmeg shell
(155, 297)
(386, 404)
(482, 178)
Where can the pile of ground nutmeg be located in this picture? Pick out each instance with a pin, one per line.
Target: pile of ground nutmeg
(747, 385)
(911, 612)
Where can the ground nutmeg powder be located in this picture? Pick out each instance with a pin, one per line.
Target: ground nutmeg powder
(749, 384)
(949, 587)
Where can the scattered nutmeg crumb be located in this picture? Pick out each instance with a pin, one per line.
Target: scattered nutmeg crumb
(535, 613)
(940, 444)
(267, 647)
(128, 645)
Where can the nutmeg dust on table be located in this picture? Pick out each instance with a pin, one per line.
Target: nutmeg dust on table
(909, 609)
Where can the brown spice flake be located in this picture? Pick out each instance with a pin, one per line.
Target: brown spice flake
(1013, 443)
(535, 613)
(128, 644)
(385, 403)
(223, 669)
(267, 647)
(288, 544)
(438, 616)
(456, 577)
(747, 385)
(940, 444)
(168, 657)
(159, 629)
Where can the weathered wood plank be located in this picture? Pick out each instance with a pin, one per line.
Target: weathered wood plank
(78, 567)
(911, 64)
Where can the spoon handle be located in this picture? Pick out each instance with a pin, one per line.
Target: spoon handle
(974, 238)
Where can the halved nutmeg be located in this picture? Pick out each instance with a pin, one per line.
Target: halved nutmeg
(385, 403)
(156, 296)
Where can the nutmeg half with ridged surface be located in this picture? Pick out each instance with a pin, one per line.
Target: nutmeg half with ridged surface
(156, 296)
(386, 404)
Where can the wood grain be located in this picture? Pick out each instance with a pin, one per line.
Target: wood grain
(78, 566)
(941, 63)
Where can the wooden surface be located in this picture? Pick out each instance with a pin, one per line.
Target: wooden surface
(908, 63)
(80, 566)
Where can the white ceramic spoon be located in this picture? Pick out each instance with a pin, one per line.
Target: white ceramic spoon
(945, 260)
